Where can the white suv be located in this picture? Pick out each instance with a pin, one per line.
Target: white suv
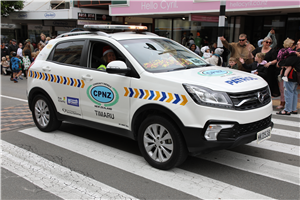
(156, 92)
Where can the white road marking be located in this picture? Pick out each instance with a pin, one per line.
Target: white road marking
(264, 167)
(276, 146)
(182, 180)
(286, 133)
(8, 97)
(54, 178)
(286, 122)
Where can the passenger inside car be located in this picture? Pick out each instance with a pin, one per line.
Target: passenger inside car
(108, 56)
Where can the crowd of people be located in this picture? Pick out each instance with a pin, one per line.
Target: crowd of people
(17, 57)
(279, 67)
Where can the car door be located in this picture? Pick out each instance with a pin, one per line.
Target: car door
(61, 73)
(103, 100)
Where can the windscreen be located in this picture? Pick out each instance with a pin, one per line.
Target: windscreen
(161, 55)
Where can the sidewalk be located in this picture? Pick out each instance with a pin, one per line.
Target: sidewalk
(276, 100)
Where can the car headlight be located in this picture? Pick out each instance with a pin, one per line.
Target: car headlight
(205, 96)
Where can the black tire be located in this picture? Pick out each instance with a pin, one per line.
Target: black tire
(168, 149)
(43, 114)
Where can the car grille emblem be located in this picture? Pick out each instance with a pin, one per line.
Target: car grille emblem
(260, 97)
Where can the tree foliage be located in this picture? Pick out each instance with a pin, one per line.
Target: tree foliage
(10, 6)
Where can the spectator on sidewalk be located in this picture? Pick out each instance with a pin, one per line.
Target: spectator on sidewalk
(272, 70)
(12, 47)
(290, 87)
(241, 49)
(28, 41)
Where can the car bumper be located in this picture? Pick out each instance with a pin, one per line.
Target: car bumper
(228, 138)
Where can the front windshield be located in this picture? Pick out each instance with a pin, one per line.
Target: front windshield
(160, 55)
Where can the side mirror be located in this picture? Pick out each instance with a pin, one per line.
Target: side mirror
(117, 67)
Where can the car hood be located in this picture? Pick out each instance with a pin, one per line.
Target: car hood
(216, 78)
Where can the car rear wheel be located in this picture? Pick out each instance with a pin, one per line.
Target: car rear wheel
(161, 144)
(44, 114)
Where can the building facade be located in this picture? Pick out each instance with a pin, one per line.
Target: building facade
(178, 19)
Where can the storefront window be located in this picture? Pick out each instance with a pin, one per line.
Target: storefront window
(34, 32)
(181, 30)
(163, 27)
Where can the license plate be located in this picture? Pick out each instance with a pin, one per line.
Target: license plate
(263, 135)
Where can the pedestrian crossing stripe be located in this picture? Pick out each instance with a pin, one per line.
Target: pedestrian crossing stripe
(57, 79)
(155, 96)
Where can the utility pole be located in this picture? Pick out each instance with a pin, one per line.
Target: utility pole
(221, 27)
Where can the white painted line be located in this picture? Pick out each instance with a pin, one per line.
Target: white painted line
(181, 180)
(285, 133)
(8, 97)
(264, 167)
(286, 123)
(293, 116)
(276, 146)
(54, 178)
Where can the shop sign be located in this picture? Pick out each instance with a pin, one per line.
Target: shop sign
(165, 5)
(103, 17)
(86, 16)
(22, 15)
(203, 18)
(49, 15)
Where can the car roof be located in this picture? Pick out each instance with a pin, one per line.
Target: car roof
(116, 36)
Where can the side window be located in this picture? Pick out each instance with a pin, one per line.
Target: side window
(68, 52)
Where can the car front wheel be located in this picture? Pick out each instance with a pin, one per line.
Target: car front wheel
(44, 114)
(161, 144)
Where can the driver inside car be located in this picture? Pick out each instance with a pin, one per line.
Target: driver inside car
(108, 56)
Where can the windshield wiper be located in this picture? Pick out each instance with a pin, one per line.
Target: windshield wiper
(180, 68)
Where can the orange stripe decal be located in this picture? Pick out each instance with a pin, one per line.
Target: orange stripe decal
(136, 93)
(68, 82)
(82, 82)
(126, 92)
(75, 82)
(184, 100)
(170, 98)
(147, 94)
(157, 96)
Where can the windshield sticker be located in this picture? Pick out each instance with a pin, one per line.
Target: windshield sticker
(166, 63)
(238, 79)
(195, 61)
(102, 93)
(156, 96)
(214, 72)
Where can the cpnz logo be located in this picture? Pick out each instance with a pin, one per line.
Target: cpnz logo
(214, 72)
(103, 93)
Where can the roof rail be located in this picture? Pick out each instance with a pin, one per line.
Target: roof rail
(101, 33)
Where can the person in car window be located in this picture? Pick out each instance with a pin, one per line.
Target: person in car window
(108, 56)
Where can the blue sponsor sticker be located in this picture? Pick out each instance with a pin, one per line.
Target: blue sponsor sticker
(214, 72)
(73, 101)
(237, 80)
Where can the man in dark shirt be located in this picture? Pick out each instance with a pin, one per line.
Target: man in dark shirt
(13, 47)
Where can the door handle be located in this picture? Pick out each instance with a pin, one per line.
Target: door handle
(47, 68)
(87, 77)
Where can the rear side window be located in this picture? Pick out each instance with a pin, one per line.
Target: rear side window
(68, 52)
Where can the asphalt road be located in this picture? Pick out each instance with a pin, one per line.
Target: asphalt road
(78, 162)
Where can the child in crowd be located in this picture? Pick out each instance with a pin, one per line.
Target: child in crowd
(232, 63)
(27, 61)
(283, 54)
(5, 65)
(15, 62)
(206, 52)
(257, 67)
(216, 58)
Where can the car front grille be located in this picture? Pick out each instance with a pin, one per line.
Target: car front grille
(251, 99)
(243, 129)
